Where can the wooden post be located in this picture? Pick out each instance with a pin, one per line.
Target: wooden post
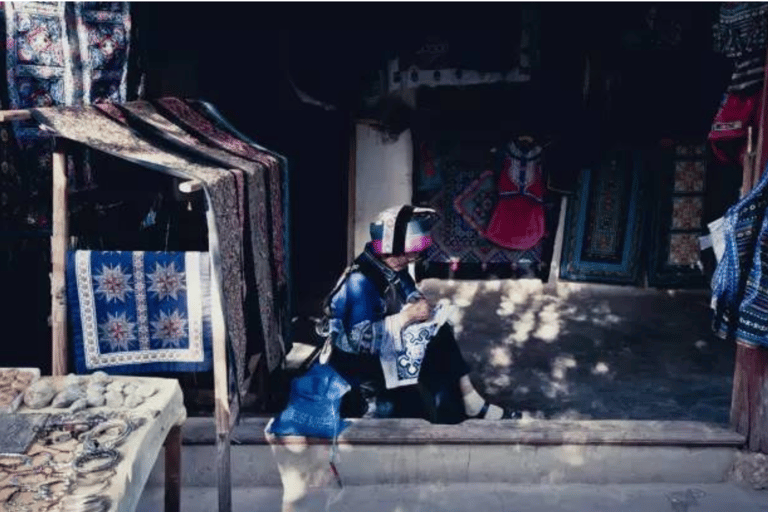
(59, 242)
(749, 397)
(557, 250)
(749, 401)
(749, 172)
(221, 397)
(224, 472)
(173, 470)
(220, 389)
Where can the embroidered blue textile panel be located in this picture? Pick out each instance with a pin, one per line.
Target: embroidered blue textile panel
(140, 312)
(603, 229)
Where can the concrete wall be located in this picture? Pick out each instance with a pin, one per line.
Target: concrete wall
(300, 467)
(384, 171)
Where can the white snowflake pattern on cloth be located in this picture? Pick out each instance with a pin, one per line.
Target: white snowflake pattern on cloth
(170, 329)
(166, 281)
(118, 331)
(113, 283)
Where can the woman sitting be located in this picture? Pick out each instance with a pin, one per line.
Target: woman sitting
(366, 314)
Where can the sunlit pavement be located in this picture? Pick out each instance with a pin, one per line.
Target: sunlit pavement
(584, 351)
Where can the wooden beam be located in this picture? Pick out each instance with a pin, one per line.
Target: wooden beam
(59, 241)
(221, 396)
(173, 470)
(15, 115)
(188, 187)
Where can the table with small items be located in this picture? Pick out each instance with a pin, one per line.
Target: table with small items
(86, 442)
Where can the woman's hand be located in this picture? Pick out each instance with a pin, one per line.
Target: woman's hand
(415, 312)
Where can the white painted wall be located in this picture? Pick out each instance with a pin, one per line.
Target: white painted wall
(384, 171)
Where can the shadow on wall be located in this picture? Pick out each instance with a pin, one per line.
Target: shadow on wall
(585, 351)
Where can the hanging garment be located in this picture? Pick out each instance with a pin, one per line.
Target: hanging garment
(741, 35)
(740, 228)
(252, 209)
(728, 136)
(518, 220)
(65, 53)
(748, 73)
(285, 295)
(138, 312)
(465, 204)
(752, 326)
(184, 113)
(741, 29)
(111, 134)
(266, 217)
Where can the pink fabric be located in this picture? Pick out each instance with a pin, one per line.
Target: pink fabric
(517, 223)
(417, 243)
(412, 244)
(518, 220)
(728, 136)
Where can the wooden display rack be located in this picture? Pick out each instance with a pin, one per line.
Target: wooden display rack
(59, 245)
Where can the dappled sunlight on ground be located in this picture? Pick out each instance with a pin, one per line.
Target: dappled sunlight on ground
(500, 357)
(591, 351)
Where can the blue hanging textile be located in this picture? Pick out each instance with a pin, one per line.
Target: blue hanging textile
(741, 226)
(138, 312)
(752, 327)
(313, 406)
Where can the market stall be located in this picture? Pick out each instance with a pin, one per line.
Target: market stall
(243, 274)
(61, 451)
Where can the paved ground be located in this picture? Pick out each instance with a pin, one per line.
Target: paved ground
(484, 497)
(579, 351)
(592, 351)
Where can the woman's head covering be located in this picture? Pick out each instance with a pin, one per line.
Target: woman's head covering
(402, 229)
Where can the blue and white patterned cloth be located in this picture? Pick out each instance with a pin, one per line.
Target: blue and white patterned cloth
(139, 312)
(401, 358)
(741, 227)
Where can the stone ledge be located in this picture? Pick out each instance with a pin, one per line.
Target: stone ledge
(250, 431)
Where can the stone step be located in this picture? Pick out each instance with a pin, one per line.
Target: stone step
(485, 497)
(409, 451)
